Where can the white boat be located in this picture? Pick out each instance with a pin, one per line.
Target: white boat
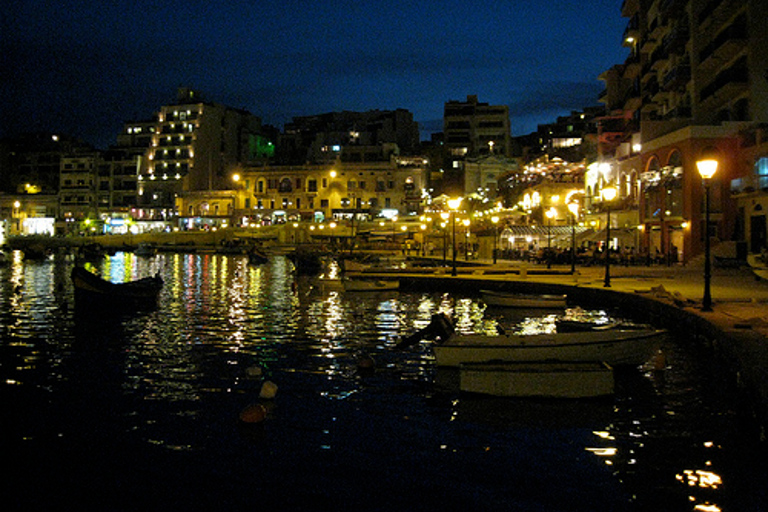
(614, 346)
(356, 285)
(519, 300)
(758, 264)
(537, 379)
(365, 285)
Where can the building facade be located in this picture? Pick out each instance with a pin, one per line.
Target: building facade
(692, 84)
(274, 194)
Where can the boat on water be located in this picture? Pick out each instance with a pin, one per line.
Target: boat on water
(257, 257)
(519, 300)
(92, 290)
(366, 285)
(356, 285)
(544, 379)
(759, 265)
(613, 346)
(145, 249)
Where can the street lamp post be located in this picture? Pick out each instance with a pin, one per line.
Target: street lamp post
(466, 239)
(454, 204)
(707, 168)
(609, 194)
(443, 225)
(574, 209)
(551, 213)
(495, 221)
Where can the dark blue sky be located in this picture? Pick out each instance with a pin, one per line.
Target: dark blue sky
(84, 67)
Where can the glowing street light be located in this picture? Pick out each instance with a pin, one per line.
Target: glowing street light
(707, 168)
(444, 216)
(609, 194)
(551, 214)
(466, 239)
(495, 220)
(574, 209)
(454, 204)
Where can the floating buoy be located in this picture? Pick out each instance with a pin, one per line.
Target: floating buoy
(254, 413)
(366, 363)
(253, 372)
(268, 390)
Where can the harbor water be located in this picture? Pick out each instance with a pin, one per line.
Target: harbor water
(110, 410)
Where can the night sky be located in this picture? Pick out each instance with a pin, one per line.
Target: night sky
(85, 67)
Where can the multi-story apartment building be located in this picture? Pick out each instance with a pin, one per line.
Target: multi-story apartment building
(77, 191)
(693, 83)
(348, 136)
(30, 164)
(471, 129)
(195, 146)
(313, 192)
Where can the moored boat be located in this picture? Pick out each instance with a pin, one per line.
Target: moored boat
(145, 249)
(759, 265)
(519, 300)
(365, 285)
(537, 379)
(92, 290)
(257, 257)
(614, 346)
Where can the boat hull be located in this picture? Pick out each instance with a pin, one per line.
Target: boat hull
(94, 291)
(537, 379)
(511, 300)
(360, 285)
(614, 347)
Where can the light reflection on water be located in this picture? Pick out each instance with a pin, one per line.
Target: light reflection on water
(175, 379)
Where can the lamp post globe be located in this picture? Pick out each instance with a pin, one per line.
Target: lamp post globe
(609, 194)
(707, 168)
(454, 204)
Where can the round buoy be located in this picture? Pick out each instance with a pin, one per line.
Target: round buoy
(268, 390)
(254, 413)
(253, 372)
(366, 363)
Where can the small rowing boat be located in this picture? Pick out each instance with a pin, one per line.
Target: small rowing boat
(537, 379)
(519, 300)
(92, 290)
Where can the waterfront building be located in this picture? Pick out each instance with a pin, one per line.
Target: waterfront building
(268, 194)
(375, 135)
(471, 129)
(474, 128)
(77, 192)
(28, 214)
(30, 164)
(691, 84)
(195, 145)
(482, 175)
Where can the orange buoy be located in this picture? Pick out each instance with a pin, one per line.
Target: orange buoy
(366, 363)
(254, 413)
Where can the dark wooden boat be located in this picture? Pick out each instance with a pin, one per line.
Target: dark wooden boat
(92, 290)
(257, 257)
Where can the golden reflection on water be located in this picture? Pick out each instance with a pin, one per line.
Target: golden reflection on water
(213, 305)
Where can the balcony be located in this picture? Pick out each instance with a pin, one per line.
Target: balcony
(679, 112)
(672, 8)
(676, 40)
(728, 83)
(659, 58)
(629, 7)
(676, 77)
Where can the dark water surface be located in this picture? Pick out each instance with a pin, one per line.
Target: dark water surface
(140, 411)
